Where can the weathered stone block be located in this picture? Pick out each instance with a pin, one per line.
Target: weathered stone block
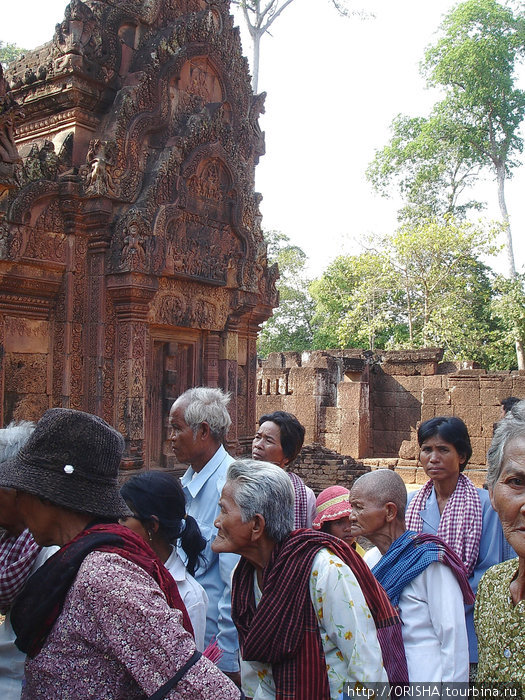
(465, 394)
(518, 386)
(471, 415)
(491, 397)
(428, 412)
(414, 385)
(489, 416)
(433, 382)
(409, 449)
(479, 450)
(436, 397)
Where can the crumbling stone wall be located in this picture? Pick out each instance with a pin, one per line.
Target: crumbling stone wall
(320, 468)
(370, 406)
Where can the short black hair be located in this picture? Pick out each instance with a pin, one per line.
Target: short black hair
(292, 432)
(452, 430)
(509, 402)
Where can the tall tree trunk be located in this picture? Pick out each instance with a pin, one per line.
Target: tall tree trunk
(511, 266)
(256, 36)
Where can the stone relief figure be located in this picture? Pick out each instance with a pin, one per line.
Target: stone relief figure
(100, 159)
(9, 156)
(256, 109)
(76, 37)
(133, 255)
(198, 83)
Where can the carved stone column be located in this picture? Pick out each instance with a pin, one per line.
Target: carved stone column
(228, 377)
(131, 293)
(211, 360)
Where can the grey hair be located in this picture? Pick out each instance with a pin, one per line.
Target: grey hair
(13, 438)
(264, 488)
(508, 428)
(204, 404)
(385, 486)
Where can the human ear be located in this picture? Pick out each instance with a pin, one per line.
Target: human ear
(390, 511)
(259, 523)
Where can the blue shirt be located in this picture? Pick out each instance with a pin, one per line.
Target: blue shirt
(493, 549)
(202, 490)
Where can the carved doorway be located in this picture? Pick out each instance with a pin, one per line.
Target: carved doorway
(175, 367)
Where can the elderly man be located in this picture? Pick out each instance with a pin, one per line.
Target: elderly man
(422, 576)
(311, 618)
(199, 421)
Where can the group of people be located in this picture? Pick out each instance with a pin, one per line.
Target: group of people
(235, 581)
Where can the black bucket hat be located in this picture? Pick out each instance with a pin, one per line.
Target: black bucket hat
(72, 459)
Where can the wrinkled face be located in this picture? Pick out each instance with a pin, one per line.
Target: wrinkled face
(366, 517)
(10, 518)
(508, 496)
(183, 442)
(266, 445)
(40, 518)
(440, 459)
(341, 528)
(232, 534)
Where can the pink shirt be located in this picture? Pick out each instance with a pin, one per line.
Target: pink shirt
(117, 639)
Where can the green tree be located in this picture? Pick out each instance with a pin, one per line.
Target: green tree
(290, 327)
(430, 170)
(355, 303)
(446, 286)
(9, 52)
(474, 60)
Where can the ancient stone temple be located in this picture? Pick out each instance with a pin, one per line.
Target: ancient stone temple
(132, 264)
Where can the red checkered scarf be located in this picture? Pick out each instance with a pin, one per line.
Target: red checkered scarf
(300, 501)
(283, 629)
(461, 521)
(17, 556)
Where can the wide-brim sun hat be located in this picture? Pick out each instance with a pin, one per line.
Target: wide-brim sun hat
(71, 459)
(331, 504)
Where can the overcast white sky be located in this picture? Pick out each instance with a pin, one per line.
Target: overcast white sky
(334, 86)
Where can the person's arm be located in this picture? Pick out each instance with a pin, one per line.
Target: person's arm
(227, 638)
(345, 619)
(447, 614)
(17, 557)
(142, 632)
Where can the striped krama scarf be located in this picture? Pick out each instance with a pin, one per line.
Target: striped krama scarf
(409, 556)
(461, 521)
(300, 516)
(283, 629)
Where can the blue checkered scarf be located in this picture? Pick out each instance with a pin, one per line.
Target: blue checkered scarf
(409, 555)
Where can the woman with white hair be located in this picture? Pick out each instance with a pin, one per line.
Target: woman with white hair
(311, 617)
(500, 603)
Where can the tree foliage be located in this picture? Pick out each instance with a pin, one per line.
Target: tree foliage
(290, 327)
(474, 61)
(9, 52)
(429, 169)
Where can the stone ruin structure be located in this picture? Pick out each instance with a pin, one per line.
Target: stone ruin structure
(368, 406)
(132, 263)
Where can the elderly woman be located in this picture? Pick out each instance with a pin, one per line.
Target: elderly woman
(500, 604)
(279, 440)
(102, 617)
(304, 603)
(451, 507)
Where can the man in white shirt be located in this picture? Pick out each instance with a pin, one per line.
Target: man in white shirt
(199, 421)
(422, 576)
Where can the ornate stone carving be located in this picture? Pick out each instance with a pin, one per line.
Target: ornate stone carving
(10, 112)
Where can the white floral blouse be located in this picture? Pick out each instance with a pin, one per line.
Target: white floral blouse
(347, 629)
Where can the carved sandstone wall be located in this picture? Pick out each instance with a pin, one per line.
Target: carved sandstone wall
(132, 263)
(370, 407)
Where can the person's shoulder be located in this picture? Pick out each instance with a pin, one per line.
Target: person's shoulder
(502, 571)
(108, 571)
